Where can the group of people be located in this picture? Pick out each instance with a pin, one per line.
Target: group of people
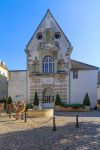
(18, 108)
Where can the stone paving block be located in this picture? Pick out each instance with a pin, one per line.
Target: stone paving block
(32, 135)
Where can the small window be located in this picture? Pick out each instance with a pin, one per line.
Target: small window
(75, 74)
(57, 35)
(39, 36)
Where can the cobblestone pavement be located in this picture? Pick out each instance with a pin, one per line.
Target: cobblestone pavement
(37, 134)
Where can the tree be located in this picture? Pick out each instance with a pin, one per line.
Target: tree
(36, 100)
(86, 101)
(9, 100)
(58, 100)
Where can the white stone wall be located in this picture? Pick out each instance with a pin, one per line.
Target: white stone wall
(17, 85)
(98, 91)
(3, 87)
(86, 82)
(3, 81)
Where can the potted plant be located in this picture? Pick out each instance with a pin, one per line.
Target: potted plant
(36, 101)
(29, 106)
(57, 102)
(9, 100)
(86, 102)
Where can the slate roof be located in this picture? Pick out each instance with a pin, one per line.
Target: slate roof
(82, 66)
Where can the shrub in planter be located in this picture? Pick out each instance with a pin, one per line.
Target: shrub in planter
(77, 105)
(86, 101)
(9, 101)
(9, 106)
(29, 106)
(58, 100)
(64, 105)
(36, 100)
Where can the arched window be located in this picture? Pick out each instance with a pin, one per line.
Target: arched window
(48, 65)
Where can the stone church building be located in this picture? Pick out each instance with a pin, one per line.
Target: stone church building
(50, 70)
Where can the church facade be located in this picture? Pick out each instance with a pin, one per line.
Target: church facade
(50, 70)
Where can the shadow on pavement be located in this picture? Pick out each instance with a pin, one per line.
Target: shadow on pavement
(80, 114)
(67, 137)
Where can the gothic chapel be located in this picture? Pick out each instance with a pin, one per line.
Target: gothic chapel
(49, 68)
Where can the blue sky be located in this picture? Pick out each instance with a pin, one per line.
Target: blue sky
(79, 19)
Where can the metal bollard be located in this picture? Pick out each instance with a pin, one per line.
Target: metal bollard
(54, 124)
(77, 123)
(25, 117)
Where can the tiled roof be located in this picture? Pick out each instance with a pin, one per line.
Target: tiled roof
(82, 66)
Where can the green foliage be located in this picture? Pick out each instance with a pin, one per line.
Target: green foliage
(58, 100)
(36, 100)
(86, 101)
(76, 105)
(29, 106)
(9, 101)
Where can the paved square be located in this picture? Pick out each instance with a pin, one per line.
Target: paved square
(37, 134)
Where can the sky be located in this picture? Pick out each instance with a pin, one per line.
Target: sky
(79, 19)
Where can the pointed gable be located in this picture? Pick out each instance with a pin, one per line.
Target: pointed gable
(48, 22)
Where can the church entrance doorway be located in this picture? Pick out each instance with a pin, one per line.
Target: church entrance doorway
(48, 95)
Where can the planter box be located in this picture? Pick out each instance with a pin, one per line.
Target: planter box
(40, 113)
(87, 108)
(71, 109)
(57, 108)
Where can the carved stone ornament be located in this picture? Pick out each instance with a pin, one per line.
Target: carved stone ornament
(35, 68)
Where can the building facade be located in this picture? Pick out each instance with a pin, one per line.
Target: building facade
(84, 79)
(50, 69)
(98, 87)
(3, 81)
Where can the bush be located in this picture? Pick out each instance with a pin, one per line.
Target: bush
(86, 101)
(36, 100)
(76, 105)
(9, 101)
(29, 106)
(58, 100)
